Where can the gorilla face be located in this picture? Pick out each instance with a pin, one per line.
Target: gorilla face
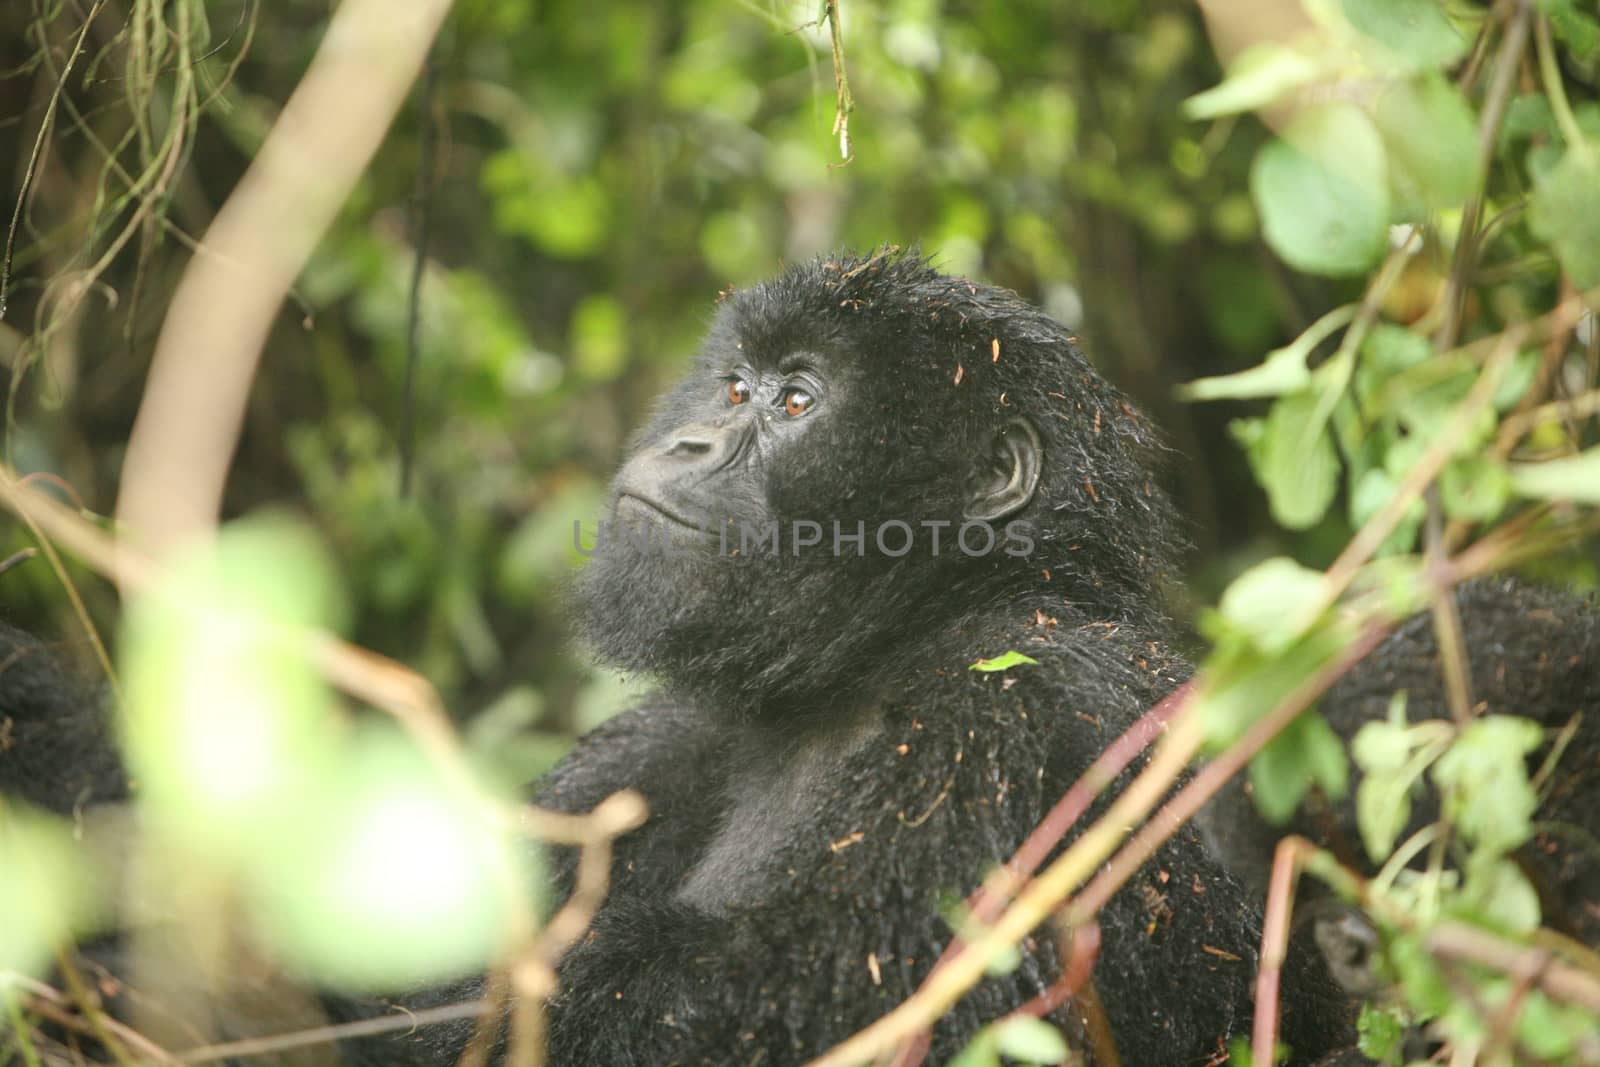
(861, 444)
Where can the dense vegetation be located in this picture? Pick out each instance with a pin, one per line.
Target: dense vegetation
(1367, 231)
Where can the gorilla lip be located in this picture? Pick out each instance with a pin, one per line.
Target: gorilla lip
(661, 512)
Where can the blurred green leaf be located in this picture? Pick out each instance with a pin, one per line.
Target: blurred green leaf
(394, 876)
(1431, 136)
(1411, 34)
(1484, 781)
(1575, 478)
(1259, 75)
(1283, 371)
(1379, 1032)
(1295, 462)
(1030, 1040)
(226, 714)
(45, 893)
(1322, 191)
(1474, 489)
(1566, 212)
(1306, 752)
(1268, 601)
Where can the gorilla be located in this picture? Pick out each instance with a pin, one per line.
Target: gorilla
(873, 478)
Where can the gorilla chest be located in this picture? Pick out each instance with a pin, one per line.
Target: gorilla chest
(781, 811)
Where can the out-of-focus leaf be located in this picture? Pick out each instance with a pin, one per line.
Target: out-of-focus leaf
(1295, 462)
(1379, 1032)
(1307, 752)
(1566, 212)
(1432, 140)
(1283, 371)
(1322, 191)
(1258, 76)
(1484, 781)
(44, 891)
(227, 716)
(393, 876)
(1474, 489)
(1267, 600)
(1030, 1040)
(1575, 478)
(1410, 34)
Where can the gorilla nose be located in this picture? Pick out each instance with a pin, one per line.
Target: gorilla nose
(688, 445)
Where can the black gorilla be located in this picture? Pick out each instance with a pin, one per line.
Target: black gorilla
(873, 476)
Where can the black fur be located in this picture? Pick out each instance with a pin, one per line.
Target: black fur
(823, 768)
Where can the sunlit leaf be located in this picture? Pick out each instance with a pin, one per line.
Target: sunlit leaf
(398, 877)
(227, 716)
(44, 891)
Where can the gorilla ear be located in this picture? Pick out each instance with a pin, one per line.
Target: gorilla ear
(1006, 479)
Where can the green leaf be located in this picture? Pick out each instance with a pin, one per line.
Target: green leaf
(1527, 116)
(227, 715)
(1258, 76)
(1002, 662)
(1295, 462)
(1283, 371)
(1566, 213)
(1244, 685)
(1575, 478)
(392, 874)
(1551, 1031)
(1031, 1040)
(1431, 136)
(1483, 781)
(1322, 191)
(1306, 752)
(1574, 27)
(981, 1051)
(1379, 1032)
(1474, 489)
(1268, 600)
(1498, 892)
(44, 893)
(1410, 34)
(1383, 751)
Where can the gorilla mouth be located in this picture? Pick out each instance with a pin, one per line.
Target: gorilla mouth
(636, 503)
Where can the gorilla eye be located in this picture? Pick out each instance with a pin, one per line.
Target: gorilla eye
(738, 391)
(797, 402)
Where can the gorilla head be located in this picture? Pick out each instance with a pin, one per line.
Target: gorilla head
(864, 449)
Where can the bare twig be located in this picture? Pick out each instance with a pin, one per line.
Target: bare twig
(1286, 860)
(327, 1035)
(844, 103)
(1457, 941)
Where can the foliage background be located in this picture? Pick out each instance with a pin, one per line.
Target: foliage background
(592, 177)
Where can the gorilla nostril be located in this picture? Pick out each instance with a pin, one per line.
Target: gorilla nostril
(688, 446)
